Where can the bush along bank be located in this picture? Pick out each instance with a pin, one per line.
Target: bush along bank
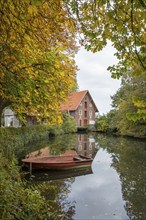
(109, 123)
(18, 137)
(17, 199)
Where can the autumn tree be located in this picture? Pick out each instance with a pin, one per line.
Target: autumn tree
(38, 43)
(37, 68)
(130, 114)
(119, 21)
(122, 23)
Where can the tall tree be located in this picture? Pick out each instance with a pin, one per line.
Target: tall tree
(123, 23)
(130, 106)
(37, 68)
(120, 21)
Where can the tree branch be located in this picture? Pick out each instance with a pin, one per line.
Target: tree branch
(132, 27)
(142, 3)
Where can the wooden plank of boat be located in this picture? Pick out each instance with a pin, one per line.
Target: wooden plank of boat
(57, 162)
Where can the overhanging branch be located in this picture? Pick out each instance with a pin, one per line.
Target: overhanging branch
(134, 35)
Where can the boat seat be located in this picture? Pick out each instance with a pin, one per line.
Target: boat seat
(78, 158)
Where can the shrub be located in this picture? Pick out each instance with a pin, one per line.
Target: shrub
(69, 124)
(17, 201)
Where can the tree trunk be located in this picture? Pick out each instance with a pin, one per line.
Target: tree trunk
(1, 112)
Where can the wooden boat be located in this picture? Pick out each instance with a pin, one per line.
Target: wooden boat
(57, 162)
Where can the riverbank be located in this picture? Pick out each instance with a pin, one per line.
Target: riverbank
(118, 134)
(109, 123)
(20, 136)
(17, 200)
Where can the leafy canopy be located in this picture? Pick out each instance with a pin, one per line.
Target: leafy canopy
(37, 68)
(129, 103)
(123, 23)
(120, 21)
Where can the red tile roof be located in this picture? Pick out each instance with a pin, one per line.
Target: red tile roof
(73, 101)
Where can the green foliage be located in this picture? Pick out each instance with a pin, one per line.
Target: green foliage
(18, 137)
(106, 123)
(129, 104)
(17, 201)
(69, 124)
(37, 67)
(62, 143)
(102, 123)
(55, 192)
(115, 21)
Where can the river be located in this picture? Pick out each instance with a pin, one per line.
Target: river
(113, 188)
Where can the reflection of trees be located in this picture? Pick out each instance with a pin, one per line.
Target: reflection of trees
(132, 169)
(62, 143)
(129, 160)
(56, 145)
(21, 152)
(55, 193)
(59, 145)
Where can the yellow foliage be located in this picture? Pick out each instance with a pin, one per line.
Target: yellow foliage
(32, 9)
(36, 61)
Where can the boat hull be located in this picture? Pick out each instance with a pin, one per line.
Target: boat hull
(56, 163)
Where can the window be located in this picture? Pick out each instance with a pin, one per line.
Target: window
(90, 114)
(85, 104)
(85, 122)
(85, 146)
(80, 147)
(85, 114)
(90, 146)
(80, 112)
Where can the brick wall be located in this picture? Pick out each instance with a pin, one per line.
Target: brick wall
(85, 114)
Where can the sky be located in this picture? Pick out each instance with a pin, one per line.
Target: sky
(93, 76)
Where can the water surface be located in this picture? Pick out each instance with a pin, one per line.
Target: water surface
(114, 188)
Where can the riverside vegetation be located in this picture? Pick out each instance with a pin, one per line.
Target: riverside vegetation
(19, 201)
(38, 71)
(128, 116)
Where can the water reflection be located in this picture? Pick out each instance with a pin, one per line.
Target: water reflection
(83, 144)
(116, 187)
(129, 160)
(86, 145)
(47, 175)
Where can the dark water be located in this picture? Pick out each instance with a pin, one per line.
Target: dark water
(113, 188)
